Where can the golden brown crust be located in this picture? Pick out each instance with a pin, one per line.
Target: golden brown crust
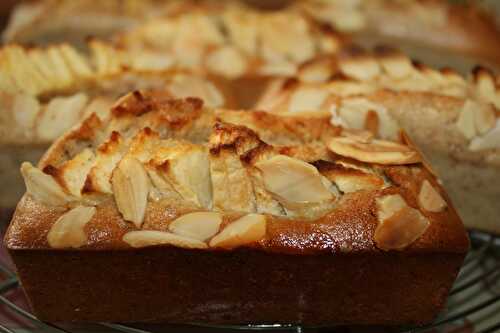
(243, 148)
(376, 91)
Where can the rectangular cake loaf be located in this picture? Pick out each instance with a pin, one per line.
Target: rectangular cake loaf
(169, 211)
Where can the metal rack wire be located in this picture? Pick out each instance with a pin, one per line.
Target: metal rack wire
(474, 303)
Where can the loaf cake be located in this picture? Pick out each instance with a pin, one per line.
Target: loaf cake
(170, 211)
(227, 38)
(454, 120)
(438, 32)
(45, 91)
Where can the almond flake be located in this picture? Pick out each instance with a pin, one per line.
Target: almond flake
(362, 69)
(293, 180)
(399, 225)
(430, 199)
(490, 140)
(131, 185)
(375, 151)
(484, 118)
(192, 86)
(43, 187)
(397, 66)
(25, 108)
(227, 61)
(198, 225)
(359, 113)
(68, 231)
(465, 122)
(60, 114)
(248, 229)
(307, 99)
(144, 238)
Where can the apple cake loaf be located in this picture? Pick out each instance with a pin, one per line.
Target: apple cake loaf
(454, 120)
(167, 210)
(227, 38)
(45, 91)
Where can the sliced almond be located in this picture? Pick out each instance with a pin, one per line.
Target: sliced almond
(227, 61)
(316, 71)
(242, 28)
(131, 185)
(60, 114)
(307, 99)
(399, 224)
(144, 238)
(484, 118)
(375, 151)
(362, 69)
(293, 180)
(68, 231)
(490, 140)
(355, 180)
(465, 122)
(359, 113)
(397, 66)
(192, 86)
(248, 229)
(430, 199)
(198, 225)
(43, 187)
(25, 108)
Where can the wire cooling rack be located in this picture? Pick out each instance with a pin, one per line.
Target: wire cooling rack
(473, 305)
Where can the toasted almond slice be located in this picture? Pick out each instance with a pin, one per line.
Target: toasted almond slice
(144, 238)
(227, 61)
(490, 140)
(356, 113)
(355, 180)
(399, 224)
(465, 122)
(43, 187)
(388, 205)
(248, 229)
(307, 99)
(198, 225)
(430, 199)
(397, 66)
(25, 109)
(131, 185)
(316, 71)
(60, 114)
(68, 231)
(192, 86)
(484, 118)
(375, 151)
(293, 180)
(363, 68)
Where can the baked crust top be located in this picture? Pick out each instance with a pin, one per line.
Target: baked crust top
(169, 172)
(375, 90)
